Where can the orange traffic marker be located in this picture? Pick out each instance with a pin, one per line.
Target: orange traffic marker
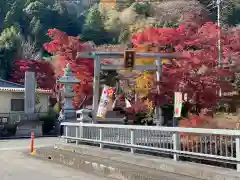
(32, 143)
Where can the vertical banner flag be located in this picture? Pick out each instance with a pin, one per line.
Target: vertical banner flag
(177, 104)
(106, 101)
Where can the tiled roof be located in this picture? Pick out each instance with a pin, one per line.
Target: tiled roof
(5, 83)
(23, 89)
(15, 87)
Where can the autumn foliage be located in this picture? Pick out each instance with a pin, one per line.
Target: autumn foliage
(65, 48)
(44, 72)
(195, 73)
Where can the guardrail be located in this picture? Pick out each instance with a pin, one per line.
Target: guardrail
(211, 144)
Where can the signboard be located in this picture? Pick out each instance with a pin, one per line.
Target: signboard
(106, 101)
(129, 59)
(177, 104)
(30, 92)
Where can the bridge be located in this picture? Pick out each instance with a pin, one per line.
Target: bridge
(139, 152)
(107, 151)
(217, 145)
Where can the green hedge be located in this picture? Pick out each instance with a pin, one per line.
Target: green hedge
(48, 121)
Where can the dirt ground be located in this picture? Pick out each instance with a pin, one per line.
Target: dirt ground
(227, 121)
(219, 121)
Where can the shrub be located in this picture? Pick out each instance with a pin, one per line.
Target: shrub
(48, 121)
(8, 130)
(141, 114)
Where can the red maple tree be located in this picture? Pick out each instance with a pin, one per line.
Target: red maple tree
(195, 73)
(44, 72)
(65, 48)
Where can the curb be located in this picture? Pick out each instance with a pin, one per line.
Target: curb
(105, 167)
(80, 163)
(188, 169)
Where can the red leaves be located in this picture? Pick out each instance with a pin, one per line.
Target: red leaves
(65, 48)
(195, 74)
(43, 70)
(160, 36)
(64, 45)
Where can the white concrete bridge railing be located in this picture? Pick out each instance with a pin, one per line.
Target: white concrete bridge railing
(211, 144)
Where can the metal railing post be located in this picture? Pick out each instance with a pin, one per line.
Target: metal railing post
(101, 137)
(132, 140)
(118, 135)
(77, 135)
(238, 153)
(81, 130)
(66, 133)
(176, 145)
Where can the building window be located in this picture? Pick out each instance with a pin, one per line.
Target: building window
(17, 104)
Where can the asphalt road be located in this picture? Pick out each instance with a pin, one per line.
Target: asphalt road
(16, 165)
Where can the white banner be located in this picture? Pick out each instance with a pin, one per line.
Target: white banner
(106, 101)
(177, 104)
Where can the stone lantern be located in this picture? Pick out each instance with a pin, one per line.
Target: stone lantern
(68, 80)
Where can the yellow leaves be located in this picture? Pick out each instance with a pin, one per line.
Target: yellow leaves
(147, 78)
(150, 107)
(139, 26)
(144, 83)
(147, 61)
(164, 61)
(149, 104)
(144, 61)
(141, 23)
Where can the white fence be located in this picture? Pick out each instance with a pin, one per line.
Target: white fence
(209, 144)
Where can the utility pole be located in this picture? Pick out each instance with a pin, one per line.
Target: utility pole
(219, 33)
(158, 110)
(219, 39)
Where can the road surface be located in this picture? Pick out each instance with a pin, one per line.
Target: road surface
(16, 165)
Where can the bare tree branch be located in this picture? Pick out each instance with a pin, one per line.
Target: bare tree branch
(28, 50)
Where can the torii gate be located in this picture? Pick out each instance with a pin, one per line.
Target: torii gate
(98, 67)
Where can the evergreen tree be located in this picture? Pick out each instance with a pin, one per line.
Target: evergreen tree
(9, 41)
(93, 28)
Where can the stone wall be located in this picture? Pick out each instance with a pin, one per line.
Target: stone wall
(25, 128)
